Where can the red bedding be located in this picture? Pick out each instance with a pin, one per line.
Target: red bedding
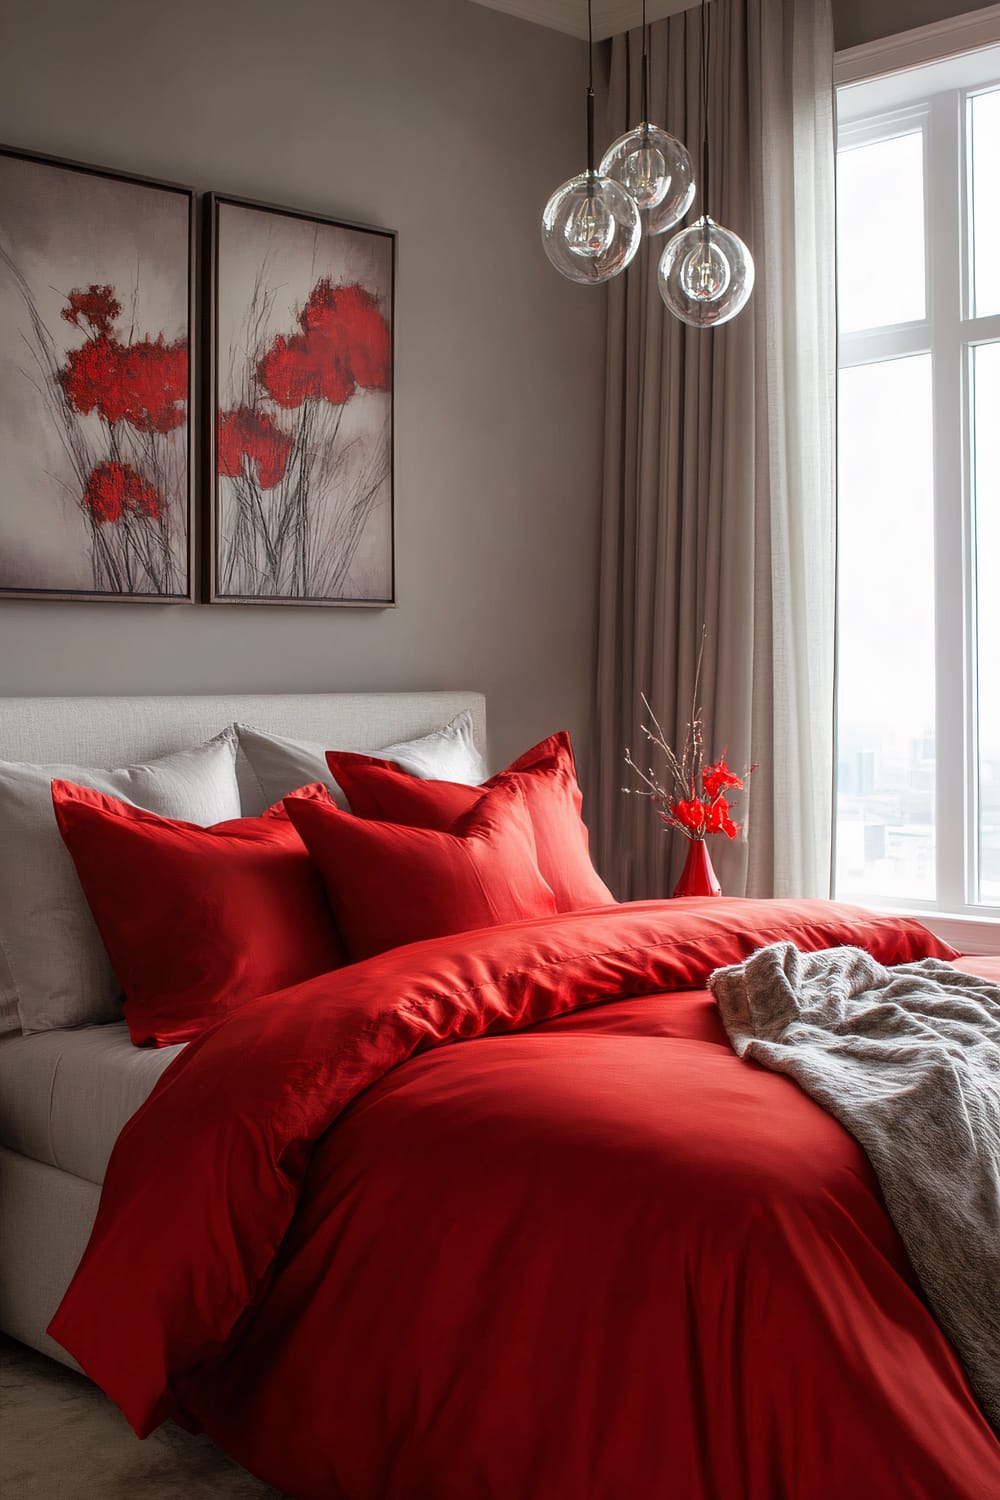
(586, 1255)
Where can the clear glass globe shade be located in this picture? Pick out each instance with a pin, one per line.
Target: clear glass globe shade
(655, 169)
(705, 274)
(590, 228)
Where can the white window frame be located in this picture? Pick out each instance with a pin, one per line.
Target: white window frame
(948, 331)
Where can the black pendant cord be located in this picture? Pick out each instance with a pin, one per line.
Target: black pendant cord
(645, 67)
(590, 89)
(704, 107)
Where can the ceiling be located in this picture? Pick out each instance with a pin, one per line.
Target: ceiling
(610, 16)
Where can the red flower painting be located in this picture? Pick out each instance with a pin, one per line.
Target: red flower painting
(95, 420)
(301, 473)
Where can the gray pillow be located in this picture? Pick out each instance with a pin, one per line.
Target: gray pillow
(280, 765)
(54, 971)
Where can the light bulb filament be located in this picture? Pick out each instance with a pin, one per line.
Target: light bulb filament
(705, 274)
(644, 172)
(590, 228)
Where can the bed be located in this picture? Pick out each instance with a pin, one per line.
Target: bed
(493, 1213)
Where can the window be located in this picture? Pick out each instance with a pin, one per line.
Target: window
(918, 648)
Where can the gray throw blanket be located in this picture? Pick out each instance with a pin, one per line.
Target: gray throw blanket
(908, 1060)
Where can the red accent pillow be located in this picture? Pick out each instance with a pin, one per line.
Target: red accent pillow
(546, 775)
(389, 885)
(196, 921)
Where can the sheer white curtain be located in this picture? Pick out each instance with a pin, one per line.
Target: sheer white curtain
(719, 485)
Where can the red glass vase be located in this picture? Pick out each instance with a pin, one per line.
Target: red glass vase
(698, 877)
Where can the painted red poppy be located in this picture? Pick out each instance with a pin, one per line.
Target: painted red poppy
(144, 384)
(114, 489)
(96, 305)
(304, 366)
(251, 438)
(349, 319)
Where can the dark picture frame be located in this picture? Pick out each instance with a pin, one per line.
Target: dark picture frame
(97, 383)
(299, 430)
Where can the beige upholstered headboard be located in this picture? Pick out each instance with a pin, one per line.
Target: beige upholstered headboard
(121, 731)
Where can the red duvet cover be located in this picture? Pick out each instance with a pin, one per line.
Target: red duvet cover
(587, 1254)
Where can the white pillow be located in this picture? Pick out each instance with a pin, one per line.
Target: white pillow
(54, 971)
(281, 766)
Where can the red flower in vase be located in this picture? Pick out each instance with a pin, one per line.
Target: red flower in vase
(96, 305)
(344, 343)
(114, 488)
(690, 815)
(719, 777)
(245, 434)
(144, 384)
(718, 819)
(689, 795)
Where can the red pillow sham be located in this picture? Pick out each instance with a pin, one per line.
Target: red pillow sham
(546, 775)
(196, 921)
(389, 885)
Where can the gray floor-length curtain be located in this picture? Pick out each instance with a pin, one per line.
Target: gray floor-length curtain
(719, 491)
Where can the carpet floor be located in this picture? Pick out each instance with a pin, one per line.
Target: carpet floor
(61, 1439)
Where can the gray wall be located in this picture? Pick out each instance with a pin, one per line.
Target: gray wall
(857, 21)
(451, 123)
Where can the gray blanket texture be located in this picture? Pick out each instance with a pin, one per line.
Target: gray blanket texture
(908, 1060)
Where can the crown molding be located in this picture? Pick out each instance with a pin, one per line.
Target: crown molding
(570, 16)
(924, 44)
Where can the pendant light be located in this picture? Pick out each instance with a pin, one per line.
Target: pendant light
(652, 165)
(706, 272)
(590, 226)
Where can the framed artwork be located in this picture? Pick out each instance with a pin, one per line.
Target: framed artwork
(300, 439)
(96, 383)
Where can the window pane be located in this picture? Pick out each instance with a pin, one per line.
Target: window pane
(886, 703)
(984, 134)
(986, 472)
(880, 233)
